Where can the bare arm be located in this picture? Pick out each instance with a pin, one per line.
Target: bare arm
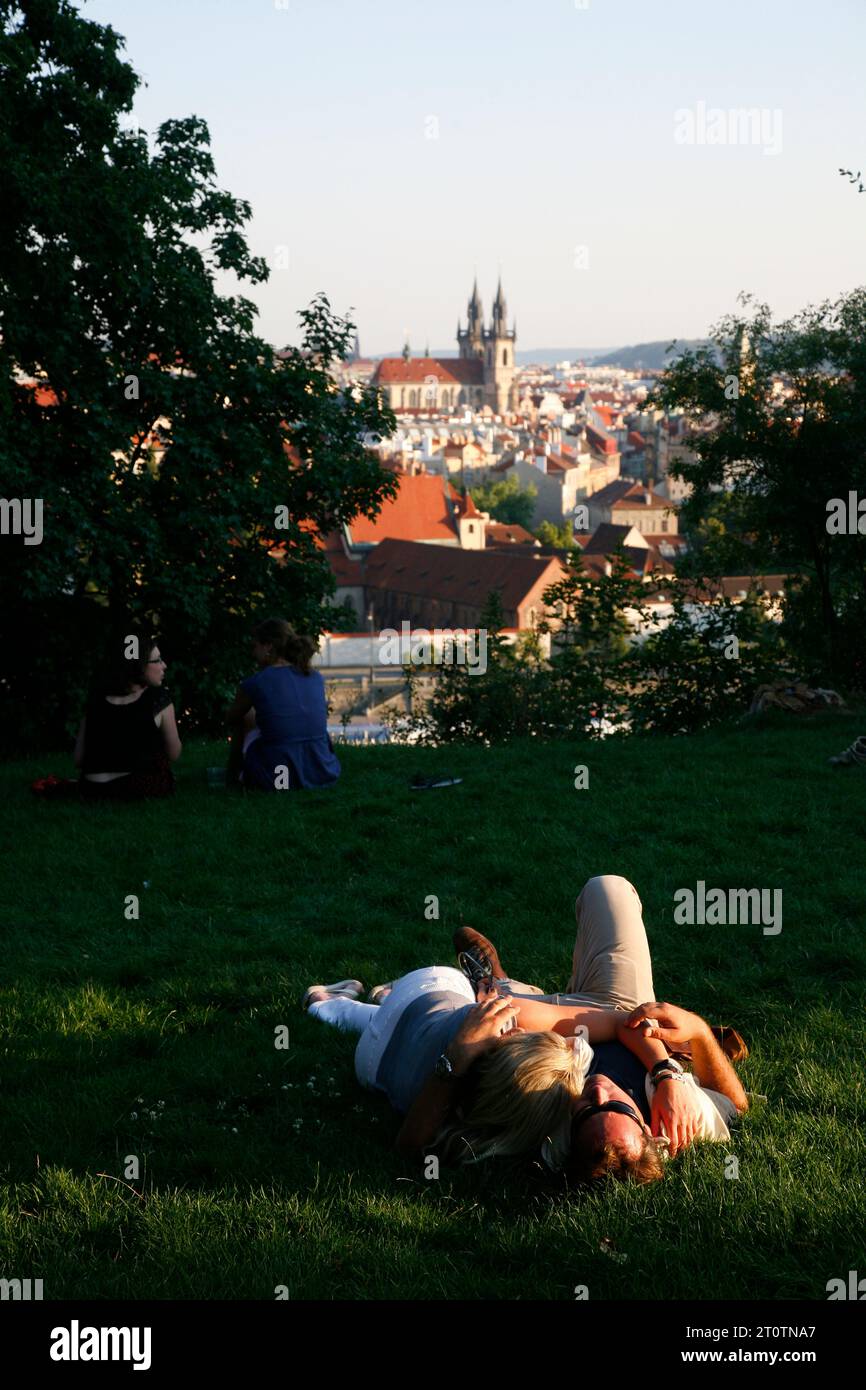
(238, 709)
(536, 1017)
(238, 716)
(674, 1109)
(167, 722)
(714, 1070)
(709, 1063)
(427, 1114)
(484, 1027)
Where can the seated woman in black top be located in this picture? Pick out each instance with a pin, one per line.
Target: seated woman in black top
(128, 737)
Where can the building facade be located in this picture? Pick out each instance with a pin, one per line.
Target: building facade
(483, 374)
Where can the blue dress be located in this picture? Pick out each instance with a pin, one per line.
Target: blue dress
(291, 713)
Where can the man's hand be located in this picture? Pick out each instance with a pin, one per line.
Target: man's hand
(484, 1026)
(674, 1026)
(677, 1113)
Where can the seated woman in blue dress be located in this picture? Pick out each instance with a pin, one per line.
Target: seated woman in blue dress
(279, 718)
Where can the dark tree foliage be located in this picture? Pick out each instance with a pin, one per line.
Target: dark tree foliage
(185, 470)
(769, 461)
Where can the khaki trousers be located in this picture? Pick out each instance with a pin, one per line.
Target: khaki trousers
(611, 963)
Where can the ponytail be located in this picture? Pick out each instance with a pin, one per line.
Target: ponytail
(294, 647)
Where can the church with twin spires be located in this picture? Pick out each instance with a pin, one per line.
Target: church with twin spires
(482, 375)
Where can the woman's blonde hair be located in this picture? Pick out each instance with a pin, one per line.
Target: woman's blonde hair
(524, 1093)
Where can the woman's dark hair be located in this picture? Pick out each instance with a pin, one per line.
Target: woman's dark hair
(291, 646)
(124, 665)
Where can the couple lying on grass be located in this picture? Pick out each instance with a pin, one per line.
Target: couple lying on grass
(588, 1080)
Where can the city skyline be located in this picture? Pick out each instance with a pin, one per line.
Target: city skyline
(601, 159)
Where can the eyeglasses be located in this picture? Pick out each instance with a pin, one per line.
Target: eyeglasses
(615, 1107)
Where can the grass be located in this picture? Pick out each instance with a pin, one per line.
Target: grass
(262, 1167)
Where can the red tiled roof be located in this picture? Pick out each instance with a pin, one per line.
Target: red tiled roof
(606, 538)
(345, 570)
(453, 575)
(466, 371)
(419, 512)
(502, 533)
(599, 440)
(466, 506)
(625, 492)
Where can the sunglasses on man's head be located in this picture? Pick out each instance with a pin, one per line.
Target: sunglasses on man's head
(615, 1107)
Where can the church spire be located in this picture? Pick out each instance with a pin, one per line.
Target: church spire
(499, 310)
(476, 313)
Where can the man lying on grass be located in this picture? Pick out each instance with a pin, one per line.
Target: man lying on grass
(637, 1092)
(511, 1074)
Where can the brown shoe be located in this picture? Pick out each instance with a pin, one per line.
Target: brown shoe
(729, 1040)
(731, 1043)
(469, 942)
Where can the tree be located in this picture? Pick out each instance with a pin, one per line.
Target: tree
(557, 537)
(590, 661)
(506, 501)
(781, 410)
(185, 471)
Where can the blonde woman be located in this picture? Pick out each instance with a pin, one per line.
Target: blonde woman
(473, 1080)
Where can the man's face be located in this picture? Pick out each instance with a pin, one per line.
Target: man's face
(624, 1132)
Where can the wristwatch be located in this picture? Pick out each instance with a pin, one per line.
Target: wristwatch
(666, 1064)
(443, 1068)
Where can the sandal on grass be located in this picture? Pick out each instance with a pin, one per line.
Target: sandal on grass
(343, 989)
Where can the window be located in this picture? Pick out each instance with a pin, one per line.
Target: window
(505, 357)
(665, 524)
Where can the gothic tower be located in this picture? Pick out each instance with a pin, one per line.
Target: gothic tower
(471, 339)
(499, 344)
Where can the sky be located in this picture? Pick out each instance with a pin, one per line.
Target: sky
(583, 149)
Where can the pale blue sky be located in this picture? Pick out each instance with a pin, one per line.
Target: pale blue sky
(555, 132)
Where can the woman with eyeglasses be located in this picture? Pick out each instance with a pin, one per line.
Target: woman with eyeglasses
(128, 737)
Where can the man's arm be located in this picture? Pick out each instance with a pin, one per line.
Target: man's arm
(675, 1110)
(712, 1068)
(600, 1024)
